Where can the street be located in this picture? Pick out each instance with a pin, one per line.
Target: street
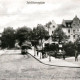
(17, 67)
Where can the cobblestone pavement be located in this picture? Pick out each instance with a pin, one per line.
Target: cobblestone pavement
(18, 67)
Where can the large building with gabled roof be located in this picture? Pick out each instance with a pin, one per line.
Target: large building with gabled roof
(71, 28)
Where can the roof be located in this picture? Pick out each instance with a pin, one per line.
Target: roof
(68, 23)
(65, 23)
(26, 44)
(60, 25)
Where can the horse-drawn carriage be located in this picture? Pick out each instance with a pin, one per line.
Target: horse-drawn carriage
(24, 47)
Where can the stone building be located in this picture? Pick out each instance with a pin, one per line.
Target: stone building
(71, 28)
(52, 27)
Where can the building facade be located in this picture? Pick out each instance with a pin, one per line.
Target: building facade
(71, 28)
(51, 27)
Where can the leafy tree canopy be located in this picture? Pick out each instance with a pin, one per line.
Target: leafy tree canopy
(59, 34)
(8, 37)
(23, 33)
(39, 32)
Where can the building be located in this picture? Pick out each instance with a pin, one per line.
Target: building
(52, 27)
(71, 28)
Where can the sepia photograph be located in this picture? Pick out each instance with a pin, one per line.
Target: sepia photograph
(39, 39)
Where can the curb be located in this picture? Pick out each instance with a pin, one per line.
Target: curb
(53, 65)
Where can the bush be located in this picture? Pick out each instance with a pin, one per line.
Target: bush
(69, 49)
(50, 47)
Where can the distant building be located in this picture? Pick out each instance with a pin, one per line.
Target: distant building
(71, 28)
(52, 27)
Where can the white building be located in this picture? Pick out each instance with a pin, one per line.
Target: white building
(52, 27)
(71, 28)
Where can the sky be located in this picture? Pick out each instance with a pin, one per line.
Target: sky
(18, 13)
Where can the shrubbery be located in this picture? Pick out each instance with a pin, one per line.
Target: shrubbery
(69, 49)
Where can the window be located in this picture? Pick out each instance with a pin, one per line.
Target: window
(74, 36)
(68, 30)
(73, 31)
(69, 36)
(53, 26)
(77, 29)
(78, 35)
(52, 32)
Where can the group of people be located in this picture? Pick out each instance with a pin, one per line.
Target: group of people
(64, 54)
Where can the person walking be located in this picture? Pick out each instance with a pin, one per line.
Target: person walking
(55, 53)
(76, 55)
(64, 54)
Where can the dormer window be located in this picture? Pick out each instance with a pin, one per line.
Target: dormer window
(53, 26)
(74, 36)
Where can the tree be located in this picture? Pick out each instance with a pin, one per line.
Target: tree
(59, 35)
(77, 44)
(8, 38)
(39, 33)
(23, 33)
(69, 49)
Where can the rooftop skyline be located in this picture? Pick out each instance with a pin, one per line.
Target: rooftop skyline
(17, 13)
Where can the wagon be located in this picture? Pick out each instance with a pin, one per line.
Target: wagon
(24, 47)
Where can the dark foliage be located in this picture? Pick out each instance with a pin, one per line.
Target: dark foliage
(69, 49)
(39, 33)
(22, 34)
(8, 38)
(77, 44)
(59, 35)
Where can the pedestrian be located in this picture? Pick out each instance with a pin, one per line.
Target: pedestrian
(55, 53)
(76, 55)
(64, 54)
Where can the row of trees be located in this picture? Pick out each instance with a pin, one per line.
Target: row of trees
(9, 35)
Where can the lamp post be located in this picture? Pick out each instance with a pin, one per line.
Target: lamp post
(49, 49)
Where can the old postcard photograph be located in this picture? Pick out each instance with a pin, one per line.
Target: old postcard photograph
(39, 39)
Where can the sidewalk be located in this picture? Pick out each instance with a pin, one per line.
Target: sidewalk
(68, 62)
(2, 52)
(55, 61)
